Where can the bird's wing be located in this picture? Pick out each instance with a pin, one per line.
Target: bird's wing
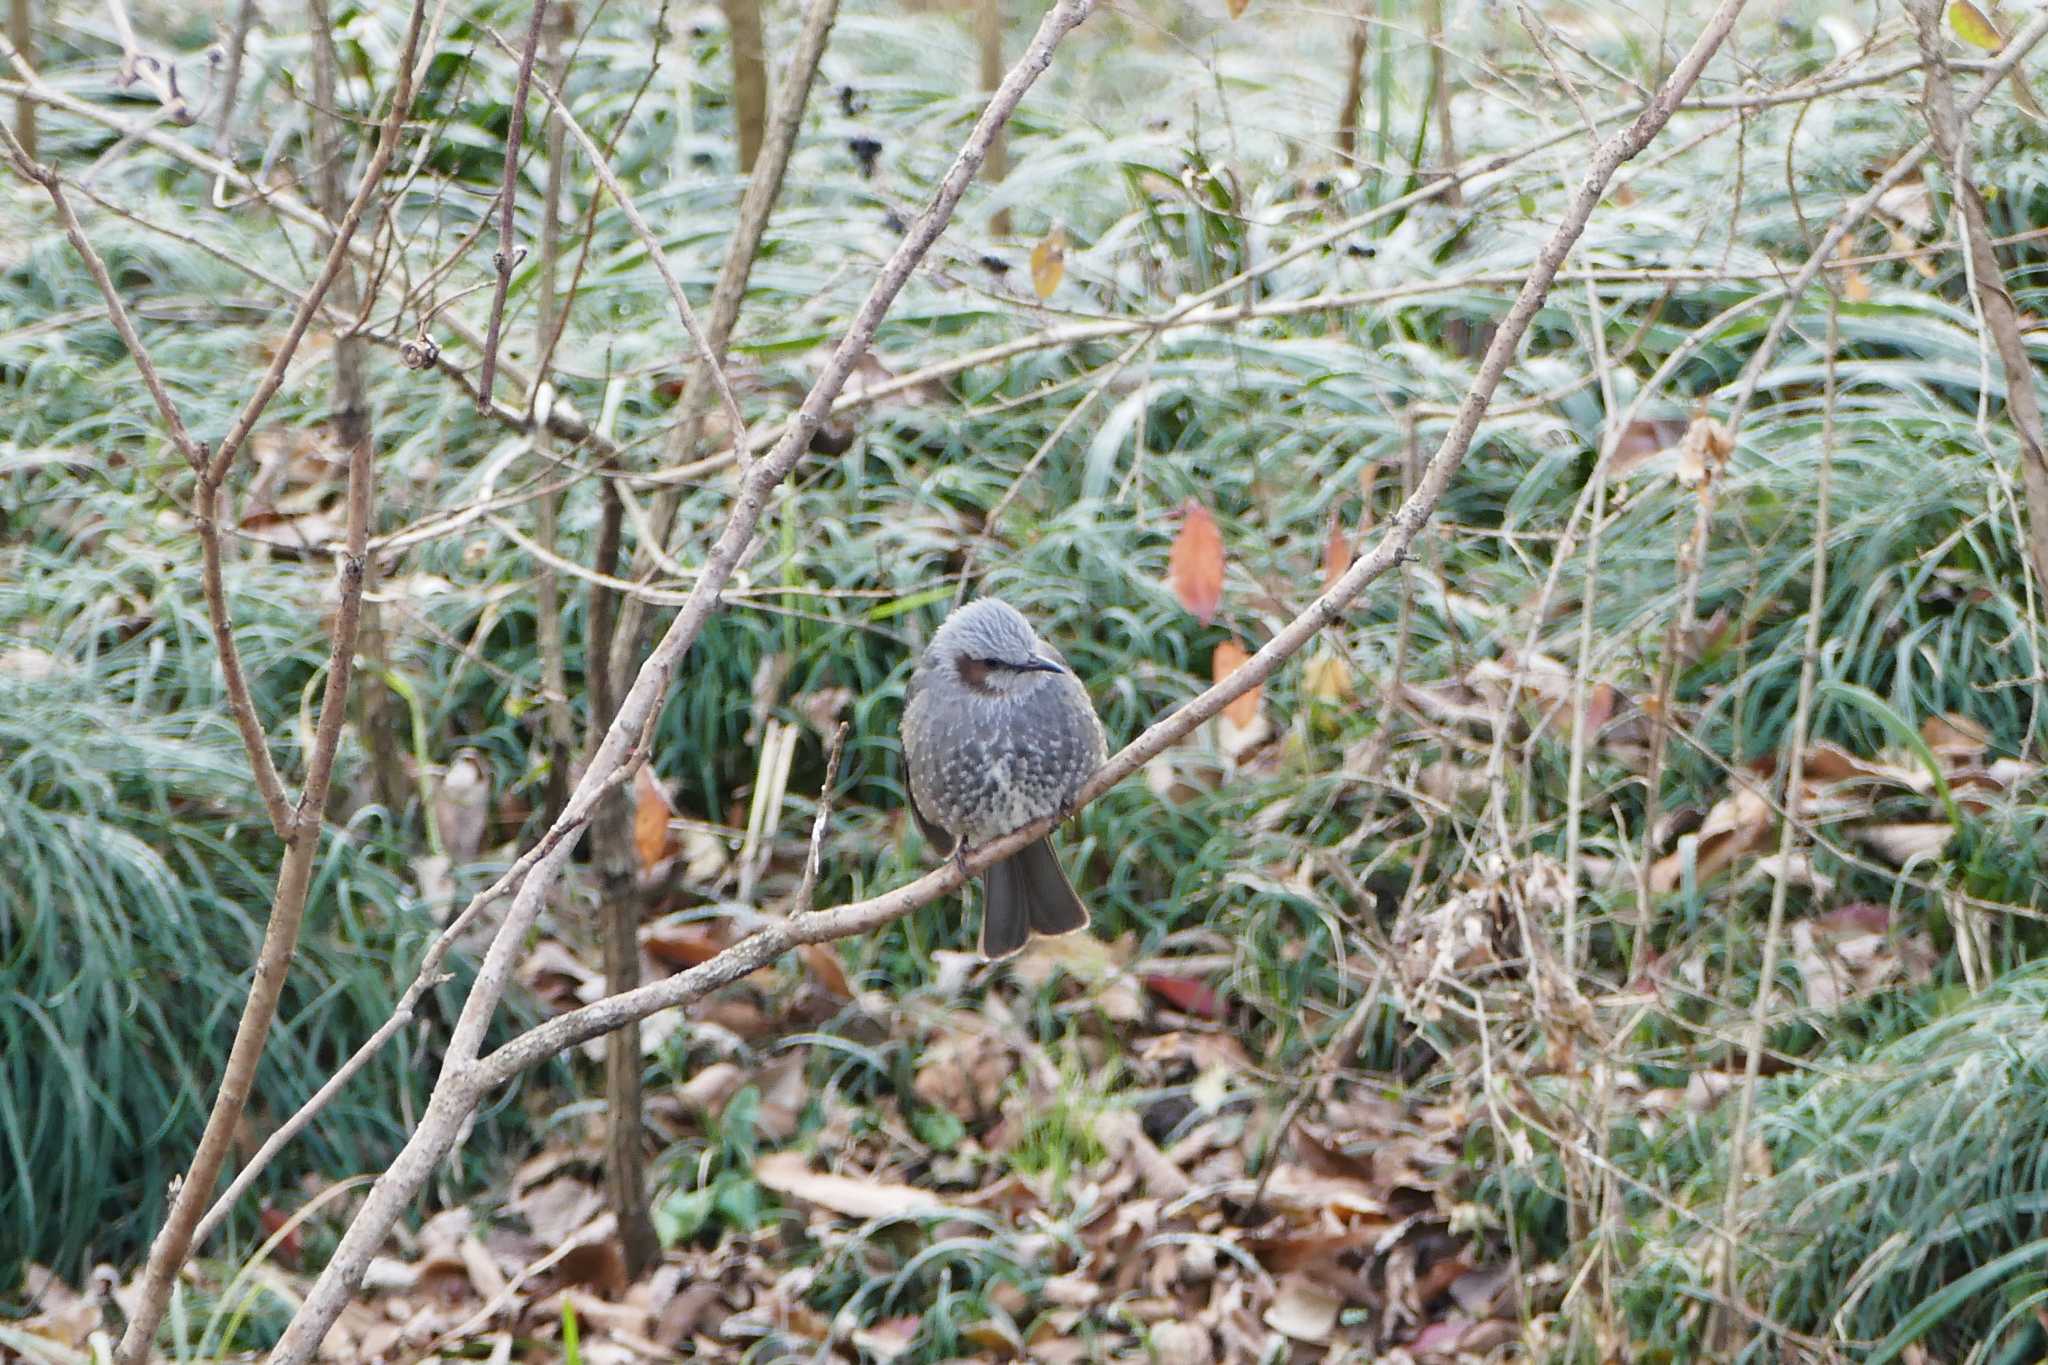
(933, 835)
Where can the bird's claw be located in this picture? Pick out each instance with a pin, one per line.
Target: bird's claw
(960, 861)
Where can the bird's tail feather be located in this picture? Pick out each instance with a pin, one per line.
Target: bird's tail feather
(1027, 894)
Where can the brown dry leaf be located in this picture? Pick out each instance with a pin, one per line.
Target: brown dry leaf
(784, 1093)
(1738, 824)
(1102, 967)
(1228, 657)
(1195, 565)
(462, 802)
(1956, 740)
(1303, 1310)
(1640, 442)
(680, 945)
(651, 814)
(826, 969)
(1336, 552)
(1702, 451)
(1049, 263)
(1182, 1343)
(964, 1073)
(1237, 7)
(62, 1314)
(1368, 480)
(711, 1087)
(851, 1196)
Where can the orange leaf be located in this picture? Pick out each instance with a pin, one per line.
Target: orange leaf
(1195, 567)
(651, 812)
(1237, 7)
(1228, 658)
(1336, 553)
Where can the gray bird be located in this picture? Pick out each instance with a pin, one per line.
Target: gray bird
(998, 732)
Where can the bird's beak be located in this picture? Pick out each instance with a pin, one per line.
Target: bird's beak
(1040, 664)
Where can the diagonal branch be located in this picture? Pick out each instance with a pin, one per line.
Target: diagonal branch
(173, 1242)
(206, 511)
(759, 949)
(1947, 127)
(625, 741)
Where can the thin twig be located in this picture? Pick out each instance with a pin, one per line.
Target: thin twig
(506, 259)
(158, 77)
(598, 164)
(816, 857)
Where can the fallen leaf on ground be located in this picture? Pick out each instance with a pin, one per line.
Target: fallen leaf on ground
(853, 1196)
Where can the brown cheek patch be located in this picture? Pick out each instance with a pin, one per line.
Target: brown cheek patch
(974, 673)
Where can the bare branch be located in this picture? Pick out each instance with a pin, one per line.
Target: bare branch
(388, 134)
(625, 742)
(302, 837)
(506, 258)
(598, 163)
(566, 1030)
(153, 74)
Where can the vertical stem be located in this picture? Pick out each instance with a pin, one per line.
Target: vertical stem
(749, 77)
(612, 850)
(22, 34)
(988, 41)
(792, 94)
(506, 258)
(231, 78)
(380, 717)
(1440, 96)
(561, 736)
(302, 839)
(1357, 41)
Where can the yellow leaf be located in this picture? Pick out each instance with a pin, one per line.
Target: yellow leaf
(1973, 27)
(1228, 658)
(1049, 262)
(1195, 565)
(1328, 677)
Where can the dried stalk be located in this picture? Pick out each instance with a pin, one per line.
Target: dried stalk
(1729, 1307)
(547, 583)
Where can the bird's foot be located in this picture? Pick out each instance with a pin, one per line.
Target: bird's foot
(960, 861)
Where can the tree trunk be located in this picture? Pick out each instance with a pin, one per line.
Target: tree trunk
(749, 77)
(22, 36)
(988, 37)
